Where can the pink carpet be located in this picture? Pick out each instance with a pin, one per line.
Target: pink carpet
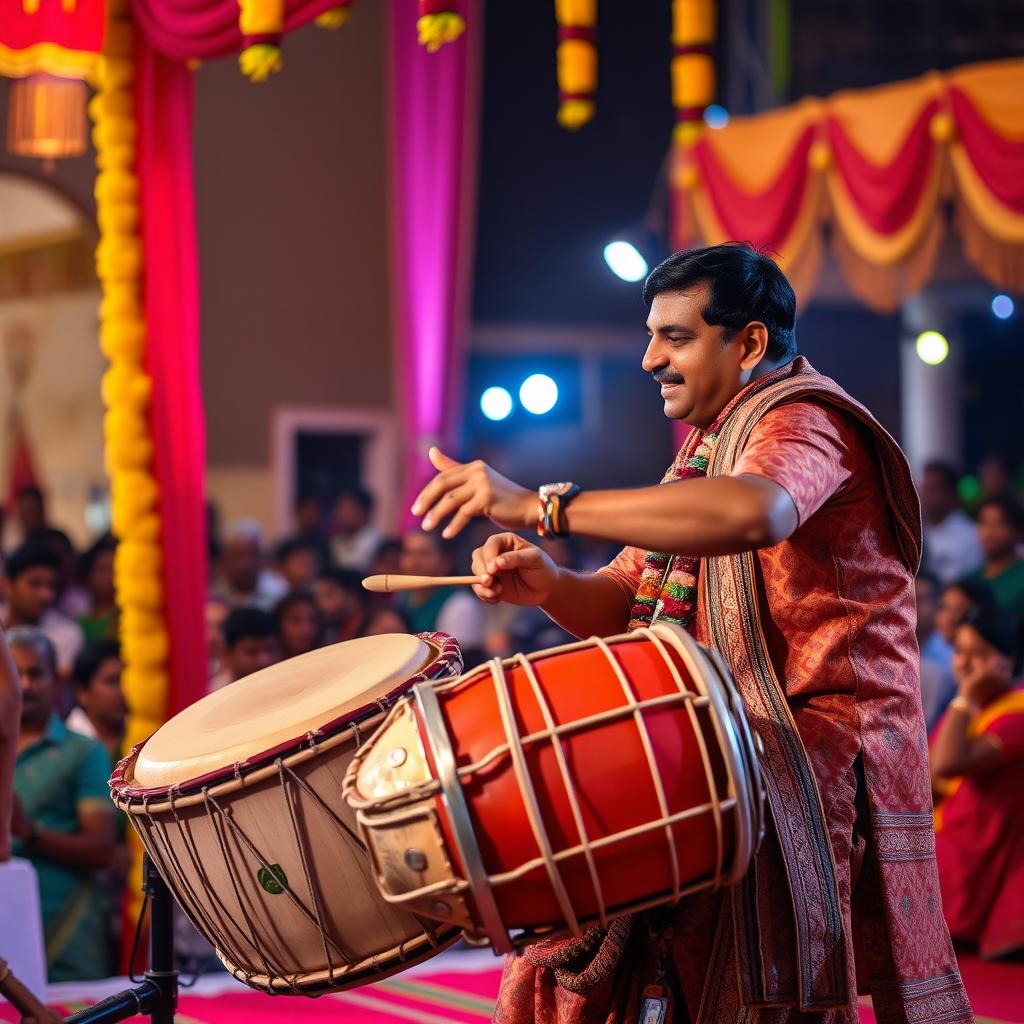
(459, 988)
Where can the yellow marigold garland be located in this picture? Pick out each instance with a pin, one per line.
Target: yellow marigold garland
(576, 61)
(694, 29)
(438, 23)
(126, 390)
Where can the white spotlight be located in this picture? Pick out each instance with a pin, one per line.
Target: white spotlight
(625, 261)
(496, 403)
(538, 393)
(932, 347)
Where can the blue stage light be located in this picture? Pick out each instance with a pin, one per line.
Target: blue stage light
(1002, 307)
(496, 403)
(716, 116)
(538, 393)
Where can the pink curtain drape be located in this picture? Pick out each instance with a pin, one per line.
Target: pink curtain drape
(435, 129)
(164, 101)
(184, 29)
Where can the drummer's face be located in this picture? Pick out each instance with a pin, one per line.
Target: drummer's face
(698, 368)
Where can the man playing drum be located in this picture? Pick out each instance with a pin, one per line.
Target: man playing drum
(789, 541)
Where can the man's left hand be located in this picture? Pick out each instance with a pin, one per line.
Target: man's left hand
(462, 490)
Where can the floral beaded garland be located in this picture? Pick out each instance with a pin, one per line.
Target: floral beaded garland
(668, 584)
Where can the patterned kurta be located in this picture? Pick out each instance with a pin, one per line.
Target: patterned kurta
(837, 611)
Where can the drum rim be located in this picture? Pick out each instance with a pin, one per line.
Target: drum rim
(446, 661)
(370, 969)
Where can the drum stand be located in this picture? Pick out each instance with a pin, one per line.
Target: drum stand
(157, 996)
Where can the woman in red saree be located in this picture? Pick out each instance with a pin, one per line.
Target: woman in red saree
(978, 771)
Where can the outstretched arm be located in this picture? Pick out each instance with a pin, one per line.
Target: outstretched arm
(702, 517)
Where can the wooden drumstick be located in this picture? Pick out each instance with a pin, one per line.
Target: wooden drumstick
(389, 584)
(22, 999)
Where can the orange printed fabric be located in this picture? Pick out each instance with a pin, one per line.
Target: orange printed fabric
(979, 842)
(54, 37)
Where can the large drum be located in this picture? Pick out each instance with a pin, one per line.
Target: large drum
(238, 802)
(542, 794)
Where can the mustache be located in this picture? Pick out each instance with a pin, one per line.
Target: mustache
(667, 377)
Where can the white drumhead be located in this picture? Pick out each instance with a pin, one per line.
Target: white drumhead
(277, 704)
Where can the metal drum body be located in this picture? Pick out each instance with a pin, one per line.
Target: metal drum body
(261, 851)
(545, 793)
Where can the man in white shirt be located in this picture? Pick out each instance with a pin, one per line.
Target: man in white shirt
(951, 546)
(245, 581)
(355, 539)
(31, 583)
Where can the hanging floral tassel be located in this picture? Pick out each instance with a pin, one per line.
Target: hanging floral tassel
(577, 61)
(439, 22)
(335, 17)
(694, 29)
(262, 25)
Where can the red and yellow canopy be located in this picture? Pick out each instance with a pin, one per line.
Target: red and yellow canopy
(876, 166)
(53, 37)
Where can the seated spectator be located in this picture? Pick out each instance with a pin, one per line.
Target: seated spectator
(216, 612)
(951, 547)
(1000, 532)
(29, 511)
(342, 603)
(354, 538)
(388, 559)
(938, 687)
(250, 644)
(72, 598)
(100, 710)
(96, 573)
(31, 586)
(245, 581)
(298, 562)
(977, 757)
(451, 610)
(298, 623)
(956, 601)
(63, 820)
(384, 620)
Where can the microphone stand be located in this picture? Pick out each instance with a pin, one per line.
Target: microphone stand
(157, 996)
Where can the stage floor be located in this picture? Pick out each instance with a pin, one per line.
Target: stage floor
(457, 987)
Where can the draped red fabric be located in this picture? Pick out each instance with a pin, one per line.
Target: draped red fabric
(164, 99)
(886, 195)
(764, 218)
(999, 161)
(201, 29)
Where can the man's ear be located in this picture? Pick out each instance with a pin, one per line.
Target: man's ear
(754, 339)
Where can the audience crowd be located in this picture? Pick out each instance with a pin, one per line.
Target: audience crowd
(268, 603)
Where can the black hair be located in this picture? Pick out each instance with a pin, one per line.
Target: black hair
(978, 592)
(30, 491)
(87, 559)
(90, 657)
(289, 601)
(360, 495)
(289, 547)
(31, 555)
(346, 579)
(245, 623)
(744, 285)
(949, 473)
(1001, 630)
(1011, 509)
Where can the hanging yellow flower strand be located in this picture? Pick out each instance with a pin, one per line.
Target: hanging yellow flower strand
(694, 28)
(261, 23)
(439, 22)
(126, 391)
(576, 59)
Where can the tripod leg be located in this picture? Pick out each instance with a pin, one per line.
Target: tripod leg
(161, 971)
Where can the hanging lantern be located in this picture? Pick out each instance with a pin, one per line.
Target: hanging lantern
(46, 117)
(577, 61)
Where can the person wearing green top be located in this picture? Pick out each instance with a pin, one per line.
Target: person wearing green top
(63, 820)
(1000, 531)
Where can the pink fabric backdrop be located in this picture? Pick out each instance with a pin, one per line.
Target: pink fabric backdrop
(164, 100)
(434, 136)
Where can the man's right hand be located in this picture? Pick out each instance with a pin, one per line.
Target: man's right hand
(513, 570)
